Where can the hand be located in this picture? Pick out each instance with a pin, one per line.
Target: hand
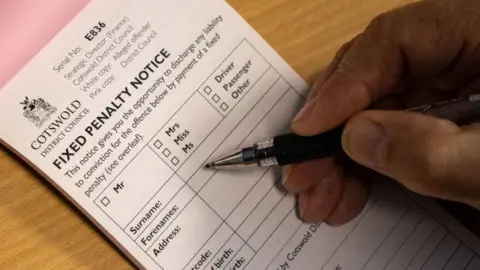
(424, 52)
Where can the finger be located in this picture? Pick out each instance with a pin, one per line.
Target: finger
(463, 69)
(316, 204)
(398, 45)
(352, 201)
(324, 75)
(301, 177)
(329, 71)
(428, 155)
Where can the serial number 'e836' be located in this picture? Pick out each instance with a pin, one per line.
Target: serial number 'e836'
(95, 31)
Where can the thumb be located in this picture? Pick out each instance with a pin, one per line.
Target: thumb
(430, 156)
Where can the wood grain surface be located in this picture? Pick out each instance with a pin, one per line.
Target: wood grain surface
(40, 230)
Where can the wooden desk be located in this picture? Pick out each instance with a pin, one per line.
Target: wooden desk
(39, 230)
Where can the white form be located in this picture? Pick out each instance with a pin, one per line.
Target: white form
(124, 107)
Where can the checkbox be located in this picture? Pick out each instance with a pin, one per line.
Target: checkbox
(105, 201)
(158, 144)
(175, 161)
(216, 98)
(224, 106)
(207, 90)
(166, 152)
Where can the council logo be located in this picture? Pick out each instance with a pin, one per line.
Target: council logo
(37, 110)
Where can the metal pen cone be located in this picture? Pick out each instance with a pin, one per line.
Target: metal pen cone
(231, 161)
(240, 159)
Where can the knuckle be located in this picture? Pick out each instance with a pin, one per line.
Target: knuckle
(380, 23)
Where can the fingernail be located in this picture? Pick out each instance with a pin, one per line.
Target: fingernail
(306, 110)
(365, 141)
(303, 204)
(286, 171)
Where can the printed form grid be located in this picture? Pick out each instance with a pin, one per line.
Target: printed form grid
(439, 249)
(158, 145)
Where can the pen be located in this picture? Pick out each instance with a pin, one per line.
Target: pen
(290, 148)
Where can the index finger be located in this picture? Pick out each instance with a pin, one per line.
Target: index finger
(396, 45)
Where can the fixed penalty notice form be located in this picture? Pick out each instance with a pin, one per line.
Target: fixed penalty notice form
(121, 110)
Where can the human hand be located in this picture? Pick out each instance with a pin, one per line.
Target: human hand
(422, 53)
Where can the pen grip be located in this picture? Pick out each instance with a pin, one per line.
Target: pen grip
(292, 148)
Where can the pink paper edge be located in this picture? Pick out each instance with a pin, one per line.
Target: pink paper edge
(27, 26)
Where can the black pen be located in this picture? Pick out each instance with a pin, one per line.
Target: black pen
(290, 148)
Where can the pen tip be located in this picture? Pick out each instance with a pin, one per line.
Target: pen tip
(208, 166)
